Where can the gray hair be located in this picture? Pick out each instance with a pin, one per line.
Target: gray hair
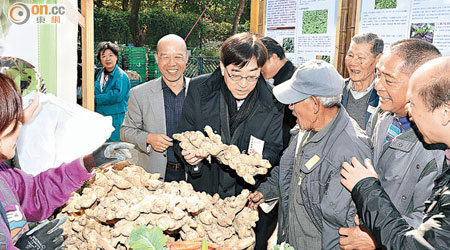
(330, 101)
(414, 52)
(371, 38)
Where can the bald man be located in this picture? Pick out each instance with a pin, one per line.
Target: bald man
(428, 106)
(154, 109)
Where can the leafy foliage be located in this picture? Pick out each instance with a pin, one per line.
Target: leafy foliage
(283, 246)
(315, 22)
(112, 25)
(385, 4)
(142, 238)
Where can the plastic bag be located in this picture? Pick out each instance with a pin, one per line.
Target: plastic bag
(61, 132)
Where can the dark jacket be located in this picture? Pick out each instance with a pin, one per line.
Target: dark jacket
(205, 105)
(371, 104)
(289, 120)
(378, 214)
(327, 202)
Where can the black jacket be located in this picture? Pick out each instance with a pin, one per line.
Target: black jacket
(289, 120)
(390, 230)
(205, 105)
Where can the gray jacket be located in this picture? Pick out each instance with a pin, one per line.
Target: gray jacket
(327, 202)
(406, 169)
(146, 114)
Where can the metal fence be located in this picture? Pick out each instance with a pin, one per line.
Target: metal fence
(201, 65)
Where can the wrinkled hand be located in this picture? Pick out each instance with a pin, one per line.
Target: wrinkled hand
(159, 142)
(112, 152)
(355, 238)
(30, 112)
(191, 157)
(352, 174)
(255, 199)
(44, 236)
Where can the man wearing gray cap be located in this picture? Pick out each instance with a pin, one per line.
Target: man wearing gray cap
(313, 203)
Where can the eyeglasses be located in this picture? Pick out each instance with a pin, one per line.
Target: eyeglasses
(237, 78)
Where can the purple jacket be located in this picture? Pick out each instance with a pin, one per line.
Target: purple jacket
(34, 198)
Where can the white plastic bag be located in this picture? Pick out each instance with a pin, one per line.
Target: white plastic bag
(61, 132)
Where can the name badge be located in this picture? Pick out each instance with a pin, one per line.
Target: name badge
(255, 146)
(311, 162)
(371, 109)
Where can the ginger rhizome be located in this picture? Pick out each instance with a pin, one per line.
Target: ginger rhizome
(120, 198)
(246, 166)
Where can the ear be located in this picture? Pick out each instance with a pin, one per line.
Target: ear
(156, 57)
(316, 104)
(445, 114)
(377, 58)
(222, 68)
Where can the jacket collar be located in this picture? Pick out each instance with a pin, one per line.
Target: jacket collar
(284, 73)
(323, 141)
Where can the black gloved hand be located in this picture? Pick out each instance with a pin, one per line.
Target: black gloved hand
(112, 152)
(44, 236)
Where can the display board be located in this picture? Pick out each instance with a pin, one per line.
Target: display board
(307, 29)
(43, 35)
(394, 20)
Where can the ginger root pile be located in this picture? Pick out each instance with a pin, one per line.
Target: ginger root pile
(125, 196)
(246, 166)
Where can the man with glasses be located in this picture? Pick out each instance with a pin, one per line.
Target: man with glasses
(237, 103)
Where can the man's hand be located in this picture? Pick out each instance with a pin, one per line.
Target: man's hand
(255, 199)
(355, 238)
(352, 174)
(191, 157)
(44, 236)
(112, 152)
(30, 112)
(159, 142)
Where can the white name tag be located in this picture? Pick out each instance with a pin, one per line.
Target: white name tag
(255, 146)
(371, 109)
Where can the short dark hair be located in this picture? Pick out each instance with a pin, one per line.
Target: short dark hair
(10, 103)
(239, 49)
(414, 52)
(273, 47)
(436, 93)
(371, 38)
(107, 45)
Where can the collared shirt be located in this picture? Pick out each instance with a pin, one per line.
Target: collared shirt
(359, 94)
(173, 105)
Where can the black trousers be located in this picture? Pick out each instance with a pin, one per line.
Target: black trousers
(265, 227)
(174, 175)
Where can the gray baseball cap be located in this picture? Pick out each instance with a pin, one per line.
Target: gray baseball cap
(313, 78)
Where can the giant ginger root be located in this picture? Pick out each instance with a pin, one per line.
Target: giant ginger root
(246, 166)
(106, 212)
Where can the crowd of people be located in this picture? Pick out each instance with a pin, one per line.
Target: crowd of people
(358, 163)
(316, 128)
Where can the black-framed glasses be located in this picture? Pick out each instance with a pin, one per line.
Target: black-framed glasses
(237, 78)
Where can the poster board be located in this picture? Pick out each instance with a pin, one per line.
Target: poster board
(307, 29)
(394, 20)
(43, 33)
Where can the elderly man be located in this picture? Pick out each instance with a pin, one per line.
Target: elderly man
(279, 69)
(407, 169)
(154, 109)
(359, 98)
(429, 107)
(313, 204)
